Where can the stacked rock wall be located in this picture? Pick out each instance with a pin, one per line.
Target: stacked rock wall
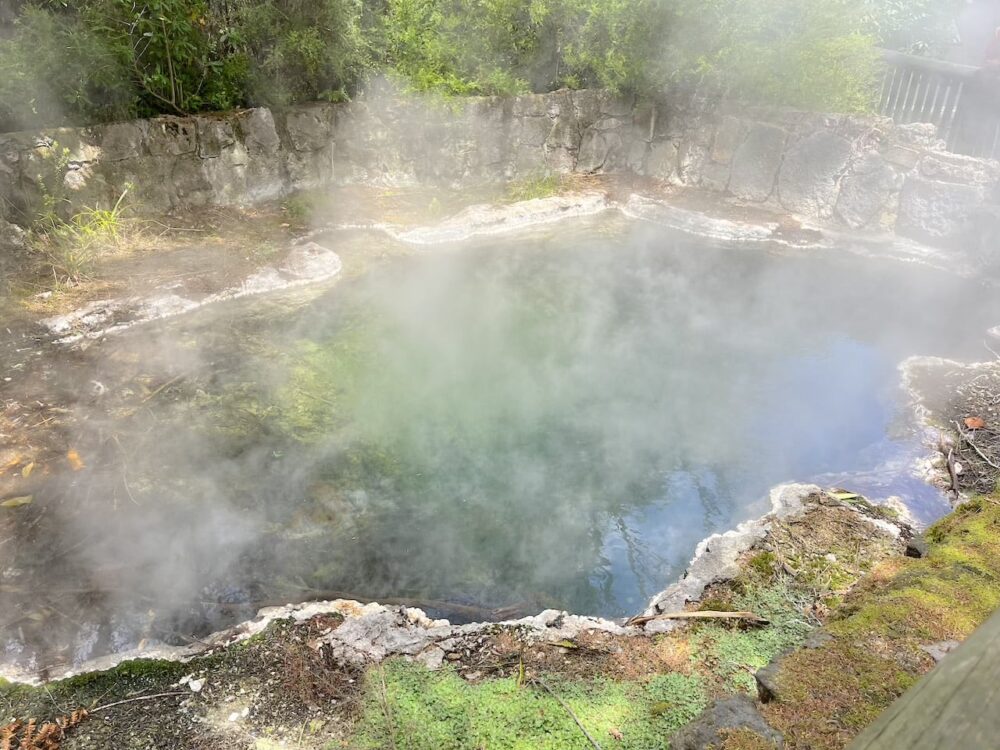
(862, 173)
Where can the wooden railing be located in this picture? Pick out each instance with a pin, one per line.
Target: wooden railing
(961, 100)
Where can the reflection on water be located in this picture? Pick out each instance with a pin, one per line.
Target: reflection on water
(554, 420)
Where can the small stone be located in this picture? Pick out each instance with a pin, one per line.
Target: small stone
(917, 546)
(196, 685)
(937, 651)
(710, 729)
(431, 657)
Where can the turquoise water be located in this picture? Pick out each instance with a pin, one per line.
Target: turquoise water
(552, 419)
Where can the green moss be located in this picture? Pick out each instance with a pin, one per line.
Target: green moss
(733, 654)
(539, 186)
(876, 653)
(91, 689)
(407, 706)
(762, 565)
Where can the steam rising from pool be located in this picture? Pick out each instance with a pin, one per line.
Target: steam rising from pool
(552, 419)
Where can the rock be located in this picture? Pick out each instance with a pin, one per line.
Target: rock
(711, 729)
(715, 176)
(937, 651)
(917, 546)
(818, 639)
(963, 170)
(662, 160)
(984, 228)
(600, 151)
(172, 136)
(259, 133)
(12, 237)
(810, 172)
(123, 140)
(190, 183)
(766, 677)
(936, 212)
(309, 128)
(768, 688)
(691, 157)
(717, 558)
(920, 134)
(756, 163)
(431, 657)
(866, 190)
(214, 136)
(728, 138)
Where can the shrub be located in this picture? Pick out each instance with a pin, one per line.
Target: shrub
(299, 50)
(55, 69)
(179, 59)
(797, 53)
(108, 59)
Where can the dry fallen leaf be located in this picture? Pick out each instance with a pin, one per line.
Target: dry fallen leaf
(26, 471)
(4, 468)
(17, 502)
(75, 462)
(975, 423)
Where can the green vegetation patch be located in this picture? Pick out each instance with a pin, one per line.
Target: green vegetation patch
(96, 60)
(734, 654)
(408, 706)
(827, 695)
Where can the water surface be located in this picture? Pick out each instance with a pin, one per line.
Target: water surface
(551, 419)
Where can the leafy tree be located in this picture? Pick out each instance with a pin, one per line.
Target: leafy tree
(300, 50)
(53, 70)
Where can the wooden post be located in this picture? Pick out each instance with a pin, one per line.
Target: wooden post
(957, 705)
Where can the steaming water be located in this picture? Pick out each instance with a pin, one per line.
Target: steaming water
(547, 420)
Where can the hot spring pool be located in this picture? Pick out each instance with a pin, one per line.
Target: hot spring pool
(548, 419)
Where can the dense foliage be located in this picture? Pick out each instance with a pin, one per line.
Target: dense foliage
(92, 60)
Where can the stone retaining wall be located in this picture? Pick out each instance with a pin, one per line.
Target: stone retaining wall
(862, 173)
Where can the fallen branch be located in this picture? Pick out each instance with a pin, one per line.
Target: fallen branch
(949, 457)
(974, 447)
(748, 617)
(162, 388)
(567, 709)
(135, 700)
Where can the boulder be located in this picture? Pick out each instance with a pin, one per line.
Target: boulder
(964, 170)
(310, 128)
(728, 137)
(756, 163)
(661, 163)
(810, 172)
(937, 212)
(866, 191)
(12, 238)
(601, 150)
(214, 136)
(259, 133)
(123, 140)
(172, 136)
(720, 720)
(917, 546)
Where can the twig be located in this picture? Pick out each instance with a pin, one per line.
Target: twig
(384, 695)
(135, 700)
(539, 681)
(949, 456)
(974, 447)
(162, 388)
(749, 617)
